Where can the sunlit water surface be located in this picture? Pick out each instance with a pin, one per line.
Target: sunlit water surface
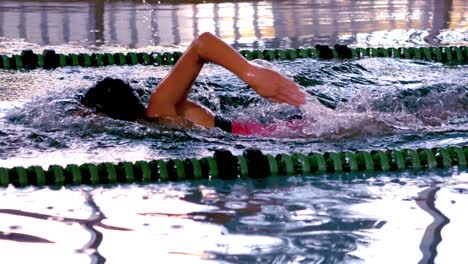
(276, 220)
(406, 217)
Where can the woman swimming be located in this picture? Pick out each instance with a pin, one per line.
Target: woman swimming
(118, 100)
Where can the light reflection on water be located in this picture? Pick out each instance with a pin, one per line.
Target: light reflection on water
(291, 219)
(105, 25)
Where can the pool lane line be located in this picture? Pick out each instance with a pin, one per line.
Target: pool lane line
(224, 165)
(49, 59)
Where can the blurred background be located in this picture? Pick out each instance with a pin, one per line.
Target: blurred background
(244, 24)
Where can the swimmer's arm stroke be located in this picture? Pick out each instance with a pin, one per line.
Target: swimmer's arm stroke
(170, 96)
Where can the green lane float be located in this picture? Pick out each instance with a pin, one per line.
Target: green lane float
(224, 165)
(49, 59)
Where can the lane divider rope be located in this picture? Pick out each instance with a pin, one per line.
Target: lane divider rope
(49, 59)
(224, 165)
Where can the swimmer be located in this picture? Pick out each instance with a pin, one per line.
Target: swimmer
(169, 102)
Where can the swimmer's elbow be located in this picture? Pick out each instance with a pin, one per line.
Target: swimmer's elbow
(205, 37)
(205, 43)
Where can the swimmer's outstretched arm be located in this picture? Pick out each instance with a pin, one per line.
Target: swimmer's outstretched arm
(170, 96)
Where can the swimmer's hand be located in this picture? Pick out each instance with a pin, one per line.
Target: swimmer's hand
(274, 86)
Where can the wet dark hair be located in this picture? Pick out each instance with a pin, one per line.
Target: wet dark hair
(116, 99)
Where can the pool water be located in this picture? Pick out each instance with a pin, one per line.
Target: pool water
(380, 103)
(382, 219)
(407, 217)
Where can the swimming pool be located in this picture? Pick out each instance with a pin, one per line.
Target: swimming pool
(366, 218)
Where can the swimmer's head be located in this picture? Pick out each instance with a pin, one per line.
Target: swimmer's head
(116, 99)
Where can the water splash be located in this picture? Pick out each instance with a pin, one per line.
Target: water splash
(378, 103)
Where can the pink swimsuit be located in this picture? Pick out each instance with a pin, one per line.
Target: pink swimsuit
(248, 128)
